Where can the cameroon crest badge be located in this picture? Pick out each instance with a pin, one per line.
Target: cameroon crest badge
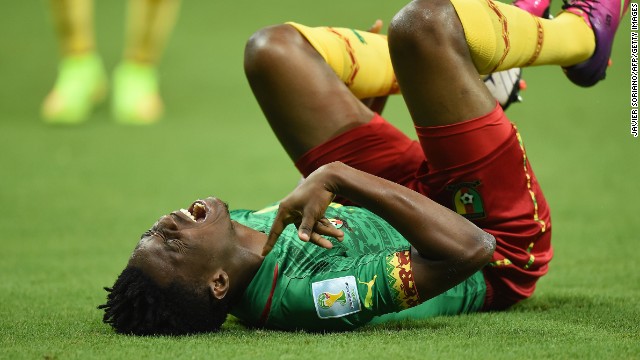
(467, 200)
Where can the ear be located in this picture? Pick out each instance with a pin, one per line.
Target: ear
(219, 284)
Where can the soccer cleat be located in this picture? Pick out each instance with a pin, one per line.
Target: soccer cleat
(136, 97)
(539, 8)
(81, 84)
(603, 16)
(505, 86)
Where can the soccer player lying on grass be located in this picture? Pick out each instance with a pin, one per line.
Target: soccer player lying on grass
(346, 266)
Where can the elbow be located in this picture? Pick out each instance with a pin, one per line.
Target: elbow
(477, 254)
(485, 246)
(489, 243)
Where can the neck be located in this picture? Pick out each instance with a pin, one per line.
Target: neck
(251, 240)
(249, 257)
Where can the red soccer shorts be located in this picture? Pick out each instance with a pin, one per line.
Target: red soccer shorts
(478, 168)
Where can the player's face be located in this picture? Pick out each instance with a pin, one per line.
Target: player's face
(187, 245)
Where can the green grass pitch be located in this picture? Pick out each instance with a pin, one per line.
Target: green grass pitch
(75, 199)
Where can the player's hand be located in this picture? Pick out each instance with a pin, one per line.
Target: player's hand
(376, 27)
(305, 207)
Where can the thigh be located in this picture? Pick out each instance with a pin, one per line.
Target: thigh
(498, 191)
(376, 147)
(303, 99)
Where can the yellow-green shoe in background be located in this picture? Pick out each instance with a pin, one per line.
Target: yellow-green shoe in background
(81, 84)
(136, 97)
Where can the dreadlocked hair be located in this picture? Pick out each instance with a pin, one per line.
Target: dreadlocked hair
(136, 305)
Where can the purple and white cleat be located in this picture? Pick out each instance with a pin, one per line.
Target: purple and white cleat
(603, 16)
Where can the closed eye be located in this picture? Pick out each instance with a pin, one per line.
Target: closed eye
(179, 245)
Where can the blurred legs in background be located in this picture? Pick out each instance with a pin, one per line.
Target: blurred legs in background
(82, 80)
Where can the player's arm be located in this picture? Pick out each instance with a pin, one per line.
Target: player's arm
(447, 248)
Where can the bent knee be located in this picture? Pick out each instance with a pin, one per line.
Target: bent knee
(425, 23)
(268, 46)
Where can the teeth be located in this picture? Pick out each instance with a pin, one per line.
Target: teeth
(186, 212)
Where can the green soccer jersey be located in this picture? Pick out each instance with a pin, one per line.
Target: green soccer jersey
(303, 286)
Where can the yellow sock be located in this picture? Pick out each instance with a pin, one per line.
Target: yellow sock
(149, 24)
(361, 59)
(502, 36)
(74, 26)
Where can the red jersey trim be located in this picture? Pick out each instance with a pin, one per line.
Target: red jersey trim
(267, 306)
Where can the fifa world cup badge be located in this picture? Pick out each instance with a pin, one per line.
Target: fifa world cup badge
(337, 297)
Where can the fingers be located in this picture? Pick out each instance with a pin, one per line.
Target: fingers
(325, 227)
(305, 229)
(376, 27)
(276, 229)
(320, 241)
(311, 224)
(306, 234)
(321, 227)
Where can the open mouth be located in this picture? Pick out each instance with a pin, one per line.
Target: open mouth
(196, 212)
